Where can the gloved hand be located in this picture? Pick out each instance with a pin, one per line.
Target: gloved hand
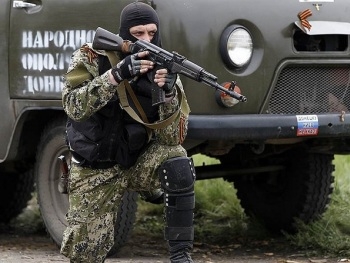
(131, 66)
(165, 80)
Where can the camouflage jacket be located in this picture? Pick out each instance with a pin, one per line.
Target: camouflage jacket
(81, 101)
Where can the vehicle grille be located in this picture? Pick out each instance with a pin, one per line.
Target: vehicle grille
(304, 89)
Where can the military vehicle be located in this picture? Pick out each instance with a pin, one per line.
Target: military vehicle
(291, 59)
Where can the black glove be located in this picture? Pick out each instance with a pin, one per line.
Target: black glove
(170, 80)
(127, 68)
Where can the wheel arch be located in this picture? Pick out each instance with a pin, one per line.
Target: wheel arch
(28, 130)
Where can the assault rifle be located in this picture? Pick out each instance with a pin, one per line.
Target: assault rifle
(173, 62)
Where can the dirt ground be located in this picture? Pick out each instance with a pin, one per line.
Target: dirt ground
(25, 240)
(37, 247)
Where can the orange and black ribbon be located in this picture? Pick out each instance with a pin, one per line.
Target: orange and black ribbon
(89, 52)
(303, 15)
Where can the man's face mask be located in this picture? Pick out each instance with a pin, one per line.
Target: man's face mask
(136, 14)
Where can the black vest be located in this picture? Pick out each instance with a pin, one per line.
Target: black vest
(111, 136)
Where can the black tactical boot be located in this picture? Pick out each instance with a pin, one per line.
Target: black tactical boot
(177, 177)
(180, 253)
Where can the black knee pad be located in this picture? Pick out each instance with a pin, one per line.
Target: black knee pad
(177, 176)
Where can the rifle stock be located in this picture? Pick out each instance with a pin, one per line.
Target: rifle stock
(106, 40)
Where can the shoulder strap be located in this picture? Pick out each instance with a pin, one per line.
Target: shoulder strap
(124, 87)
(136, 102)
(113, 59)
(121, 90)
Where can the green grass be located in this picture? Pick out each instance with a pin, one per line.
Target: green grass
(330, 234)
(219, 218)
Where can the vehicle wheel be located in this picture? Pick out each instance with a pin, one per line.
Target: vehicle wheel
(54, 205)
(15, 192)
(301, 190)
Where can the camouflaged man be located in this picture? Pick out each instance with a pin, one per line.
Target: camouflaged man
(112, 153)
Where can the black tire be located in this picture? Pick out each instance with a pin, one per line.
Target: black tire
(15, 191)
(302, 190)
(125, 221)
(54, 205)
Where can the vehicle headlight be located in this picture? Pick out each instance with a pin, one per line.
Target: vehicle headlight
(236, 46)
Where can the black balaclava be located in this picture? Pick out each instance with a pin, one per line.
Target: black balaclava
(135, 14)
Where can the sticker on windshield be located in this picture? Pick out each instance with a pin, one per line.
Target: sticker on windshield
(307, 125)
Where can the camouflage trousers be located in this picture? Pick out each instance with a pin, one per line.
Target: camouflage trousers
(94, 198)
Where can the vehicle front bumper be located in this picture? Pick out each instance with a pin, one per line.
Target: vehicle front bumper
(267, 126)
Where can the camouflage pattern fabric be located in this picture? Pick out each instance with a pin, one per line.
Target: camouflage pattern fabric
(94, 197)
(95, 194)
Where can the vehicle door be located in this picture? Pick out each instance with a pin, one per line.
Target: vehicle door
(43, 36)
